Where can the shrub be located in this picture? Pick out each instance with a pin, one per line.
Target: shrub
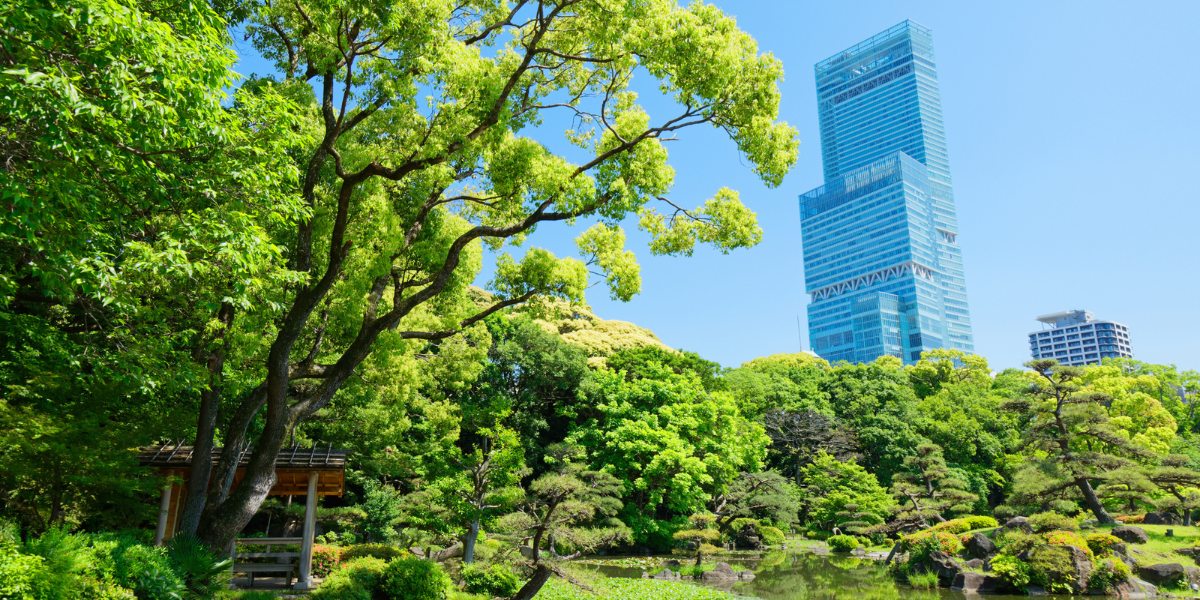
(842, 543)
(105, 590)
(414, 579)
(1050, 567)
(325, 559)
(923, 581)
(1067, 538)
(493, 581)
(1130, 518)
(737, 524)
(380, 551)
(1101, 543)
(818, 535)
(356, 579)
(1050, 521)
(1011, 569)
(20, 574)
(772, 536)
(953, 526)
(1107, 573)
(923, 543)
(980, 522)
(204, 573)
(1016, 541)
(148, 572)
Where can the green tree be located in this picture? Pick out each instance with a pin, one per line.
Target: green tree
(787, 382)
(635, 360)
(766, 495)
(797, 437)
(485, 482)
(672, 444)
(700, 534)
(1068, 440)
(927, 488)
(832, 486)
(570, 504)
(1176, 475)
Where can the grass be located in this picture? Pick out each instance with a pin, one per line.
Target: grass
(1160, 548)
(630, 589)
(923, 581)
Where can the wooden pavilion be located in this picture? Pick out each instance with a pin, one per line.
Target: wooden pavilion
(309, 472)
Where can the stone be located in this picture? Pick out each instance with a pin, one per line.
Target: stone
(821, 550)
(746, 575)
(666, 575)
(721, 572)
(672, 564)
(859, 552)
(1035, 590)
(1135, 589)
(941, 564)
(1162, 574)
(975, 583)
(1131, 534)
(645, 575)
(1193, 574)
(974, 563)
(1016, 523)
(1081, 566)
(980, 546)
(1162, 518)
(748, 537)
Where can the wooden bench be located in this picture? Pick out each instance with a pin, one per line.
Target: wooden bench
(250, 569)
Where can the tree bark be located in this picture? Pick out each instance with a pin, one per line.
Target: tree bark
(540, 576)
(469, 542)
(1089, 495)
(206, 430)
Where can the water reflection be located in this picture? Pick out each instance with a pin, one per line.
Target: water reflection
(802, 575)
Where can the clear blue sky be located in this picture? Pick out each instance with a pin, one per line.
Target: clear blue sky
(1074, 139)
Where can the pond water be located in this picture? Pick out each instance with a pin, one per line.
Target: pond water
(803, 575)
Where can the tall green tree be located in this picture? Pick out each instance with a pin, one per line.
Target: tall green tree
(927, 488)
(1068, 440)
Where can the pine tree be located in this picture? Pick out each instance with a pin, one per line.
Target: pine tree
(926, 489)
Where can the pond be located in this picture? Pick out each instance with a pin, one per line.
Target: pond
(803, 575)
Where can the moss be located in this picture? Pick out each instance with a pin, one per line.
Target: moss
(1051, 568)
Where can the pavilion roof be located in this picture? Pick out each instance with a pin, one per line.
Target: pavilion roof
(314, 458)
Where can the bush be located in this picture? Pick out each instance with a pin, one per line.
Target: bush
(1101, 543)
(1050, 521)
(493, 581)
(147, 571)
(1011, 569)
(1127, 519)
(356, 579)
(1067, 538)
(381, 551)
(325, 559)
(772, 536)
(923, 543)
(820, 536)
(1050, 567)
(204, 573)
(965, 524)
(980, 522)
(1107, 573)
(842, 543)
(414, 579)
(20, 574)
(1016, 541)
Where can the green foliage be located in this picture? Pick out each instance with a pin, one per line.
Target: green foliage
(832, 485)
(204, 572)
(965, 524)
(382, 506)
(21, 575)
(380, 551)
(842, 543)
(979, 522)
(630, 589)
(634, 362)
(1107, 573)
(1050, 567)
(1012, 570)
(923, 581)
(492, 580)
(771, 536)
(921, 544)
(414, 579)
(356, 579)
(1016, 541)
(1069, 538)
(1050, 521)
(325, 559)
(1101, 543)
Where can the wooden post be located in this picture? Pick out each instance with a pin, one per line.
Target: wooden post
(304, 582)
(164, 508)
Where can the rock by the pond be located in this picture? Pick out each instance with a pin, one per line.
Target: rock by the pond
(1133, 535)
(745, 575)
(976, 583)
(821, 550)
(1162, 518)
(666, 575)
(748, 537)
(1135, 589)
(1081, 566)
(672, 564)
(721, 572)
(1162, 574)
(941, 564)
(1017, 523)
(980, 546)
(859, 552)
(974, 563)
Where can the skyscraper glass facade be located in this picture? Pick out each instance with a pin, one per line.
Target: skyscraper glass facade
(881, 258)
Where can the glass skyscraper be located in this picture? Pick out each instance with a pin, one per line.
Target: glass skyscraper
(881, 260)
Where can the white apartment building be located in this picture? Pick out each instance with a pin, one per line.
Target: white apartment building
(1076, 338)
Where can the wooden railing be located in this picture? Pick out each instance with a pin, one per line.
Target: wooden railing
(283, 564)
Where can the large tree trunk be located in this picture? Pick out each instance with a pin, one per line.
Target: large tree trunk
(1089, 495)
(206, 430)
(469, 542)
(540, 576)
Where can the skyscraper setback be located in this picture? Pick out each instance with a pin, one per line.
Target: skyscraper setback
(881, 258)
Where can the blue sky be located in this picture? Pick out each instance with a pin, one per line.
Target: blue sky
(1074, 137)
